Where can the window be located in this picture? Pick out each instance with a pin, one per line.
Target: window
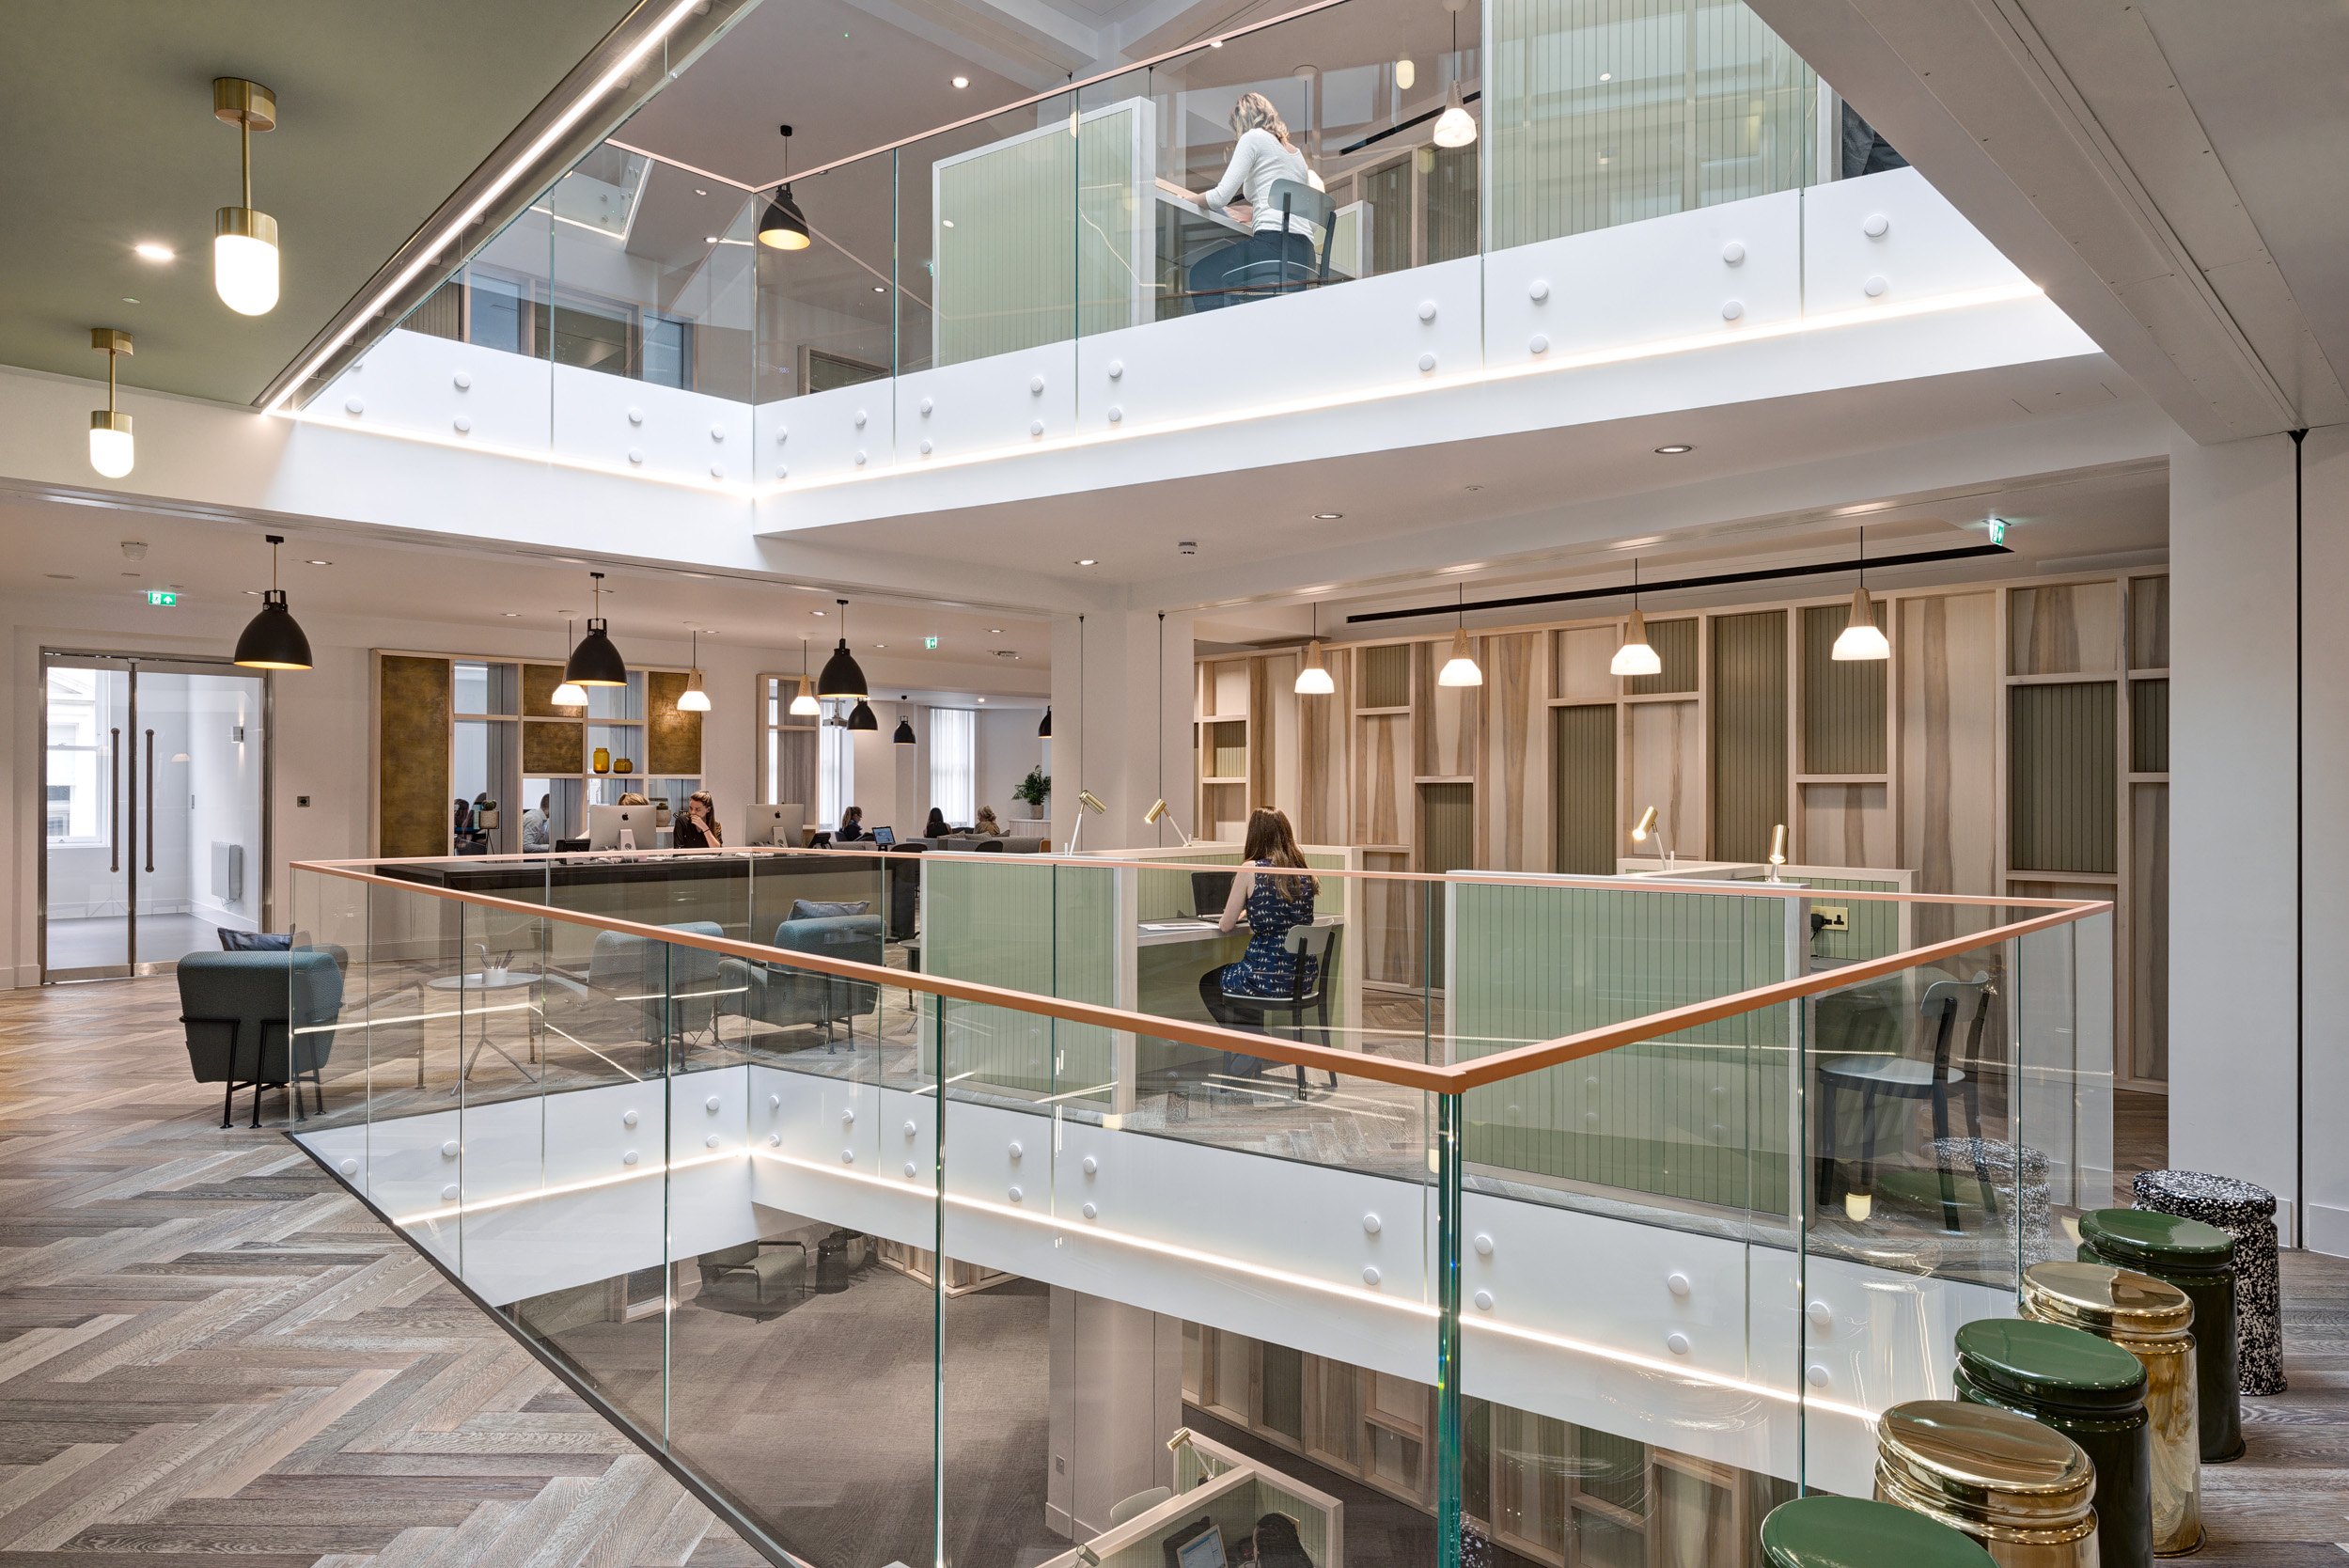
(953, 764)
(836, 767)
(76, 803)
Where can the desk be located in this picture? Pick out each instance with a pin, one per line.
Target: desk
(1161, 934)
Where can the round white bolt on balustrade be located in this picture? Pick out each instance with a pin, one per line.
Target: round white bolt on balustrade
(860, 459)
(717, 432)
(1090, 1212)
(710, 1142)
(1875, 287)
(1015, 1194)
(354, 405)
(1538, 290)
(909, 1168)
(1035, 427)
(1538, 343)
(1016, 1150)
(463, 383)
(448, 1193)
(781, 472)
(1731, 310)
(627, 1118)
(1485, 1246)
(1733, 253)
(860, 418)
(1427, 310)
(358, 363)
(1678, 1284)
(1676, 1343)
(848, 1116)
(1592, 1082)
(636, 416)
(1116, 413)
(635, 454)
(1592, 1117)
(1877, 227)
(1427, 362)
(1818, 1376)
(629, 1158)
(848, 1156)
(925, 448)
(1370, 1223)
(712, 1104)
(774, 1141)
(1822, 1316)
(1369, 1276)
(926, 407)
(912, 1128)
(717, 470)
(782, 433)
(448, 1149)
(774, 1102)
(1091, 1165)
(1117, 368)
(463, 425)
(1484, 1301)
(1036, 386)
(349, 1167)
(1719, 1132)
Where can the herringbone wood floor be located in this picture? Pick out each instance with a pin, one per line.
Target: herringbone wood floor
(207, 1349)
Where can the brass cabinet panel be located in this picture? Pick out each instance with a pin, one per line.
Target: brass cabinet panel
(673, 737)
(553, 748)
(538, 691)
(412, 756)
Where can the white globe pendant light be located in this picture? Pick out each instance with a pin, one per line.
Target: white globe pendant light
(245, 241)
(110, 449)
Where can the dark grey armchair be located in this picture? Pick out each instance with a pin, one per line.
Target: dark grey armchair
(653, 991)
(254, 1020)
(784, 998)
(750, 1270)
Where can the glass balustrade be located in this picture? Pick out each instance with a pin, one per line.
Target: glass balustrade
(933, 1209)
(1639, 175)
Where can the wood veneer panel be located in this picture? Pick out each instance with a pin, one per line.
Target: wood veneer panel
(1949, 777)
(1381, 780)
(2064, 628)
(1514, 772)
(1321, 726)
(2060, 810)
(1666, 773)
(1846, 824)
(1261, 781)
(412, 796)
(2149, 623)
(1748, 752)
(672, 736)
(1843, 700)
(1448, 716)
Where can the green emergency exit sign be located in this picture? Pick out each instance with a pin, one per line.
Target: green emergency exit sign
(163, 597)
(930, 642)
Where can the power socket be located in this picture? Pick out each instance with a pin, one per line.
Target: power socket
(1828, 916)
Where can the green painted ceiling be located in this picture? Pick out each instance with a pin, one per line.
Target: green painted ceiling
(105, 115)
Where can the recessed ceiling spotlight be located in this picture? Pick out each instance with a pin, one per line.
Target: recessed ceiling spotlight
(983, 699)
(1089, 561)
(321, 563)
(1328, 516)
(154, 252)
(961, 81)
(127, 300)
(880, 288)
(881, 645)
(708, 239)
(1472, 487)
(1675, 449)
(698, 191)
(513, 614)
(1217, 43)
(994, 630)
(816, 612)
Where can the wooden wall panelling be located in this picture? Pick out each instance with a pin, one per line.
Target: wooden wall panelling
(672, 736)
(1285, 759)
(1583, 654)
(1381, 780)
(1448, 716)
(2064, 629)
(1386, 676)
(2062, 789)
(2149, 726)
(1846, 824)
(2146, 1056)
(412, 745)
(1582, 790)
(1513, 813)
(1748, 733)
(1391, 921)
(1676, 644)
(1843, 702)
(1665, 769)
(1323, 726)
(2148, 623)
(1948, 660)
(1261, 777)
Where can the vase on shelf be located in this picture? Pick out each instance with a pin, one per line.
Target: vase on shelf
(602, 760)
(623, 765)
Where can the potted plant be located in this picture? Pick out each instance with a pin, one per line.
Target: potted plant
(1035, 788)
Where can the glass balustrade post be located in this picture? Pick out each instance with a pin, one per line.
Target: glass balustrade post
(938, 1284)
(1449, 1515)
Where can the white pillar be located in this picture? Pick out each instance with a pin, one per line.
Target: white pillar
(1121, 724)
(2258, 1064)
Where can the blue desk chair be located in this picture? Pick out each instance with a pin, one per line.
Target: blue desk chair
(1279, 275)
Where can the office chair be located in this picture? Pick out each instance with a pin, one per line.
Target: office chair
(1911, 1078)
(1281, 276)
(1319, 944)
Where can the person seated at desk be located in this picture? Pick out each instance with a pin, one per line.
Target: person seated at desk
(988, 826)
(698, 827)
(852, 828)
(1262, 154)
(936, 827)
(632, 798)
(537, 824)
(1275, 1543)
(1272, 906)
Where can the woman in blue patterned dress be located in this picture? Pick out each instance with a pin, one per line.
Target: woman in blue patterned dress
(1272, 906)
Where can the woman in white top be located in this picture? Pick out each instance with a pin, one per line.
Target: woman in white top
(1262, 155)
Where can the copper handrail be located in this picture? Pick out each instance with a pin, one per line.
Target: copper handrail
(1424, 1076)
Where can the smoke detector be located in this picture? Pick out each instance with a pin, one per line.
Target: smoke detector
(134, 549)
(1187, 547)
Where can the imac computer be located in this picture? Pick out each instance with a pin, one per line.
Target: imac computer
(884, 837)
(775, 824)
(1199, 1545)
(606, 823)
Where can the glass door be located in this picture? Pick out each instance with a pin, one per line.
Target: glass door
(156, 801)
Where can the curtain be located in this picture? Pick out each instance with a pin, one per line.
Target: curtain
(836, 767)
(953, 764)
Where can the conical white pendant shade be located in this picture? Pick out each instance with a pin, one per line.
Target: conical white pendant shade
(1861, 639)
(1636, 657)
(1460, 669)
(1313, 681)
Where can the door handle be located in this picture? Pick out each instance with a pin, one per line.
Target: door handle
(150, 800)
(114, 802)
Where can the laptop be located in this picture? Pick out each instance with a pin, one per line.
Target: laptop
(1200, 1545)
(1211, 891)
(884, 837)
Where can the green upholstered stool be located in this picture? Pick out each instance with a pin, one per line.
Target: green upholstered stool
(2090, 1391)
(1860, 1532)
(2197, 1259)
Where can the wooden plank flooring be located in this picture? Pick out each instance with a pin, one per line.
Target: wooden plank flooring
(207, 1349)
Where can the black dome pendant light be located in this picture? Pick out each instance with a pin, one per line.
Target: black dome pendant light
(595, 662)
(784, 227)
(842, 677)
(862, 716)
(1043, 731)
(272, 640)
(905, 735)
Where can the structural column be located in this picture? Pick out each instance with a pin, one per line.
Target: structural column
(1122, 724)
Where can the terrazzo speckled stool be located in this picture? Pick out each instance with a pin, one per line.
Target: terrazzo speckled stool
(2021, 1196)
(2246, 1213)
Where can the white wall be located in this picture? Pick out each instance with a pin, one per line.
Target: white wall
(1007, 747)
(2255, 1081)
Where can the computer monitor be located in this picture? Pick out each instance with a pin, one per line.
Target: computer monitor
(884, 837)
(605, 823)
(1200, 1546)
(775, 825)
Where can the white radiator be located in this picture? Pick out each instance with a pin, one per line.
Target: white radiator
(227, 872)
